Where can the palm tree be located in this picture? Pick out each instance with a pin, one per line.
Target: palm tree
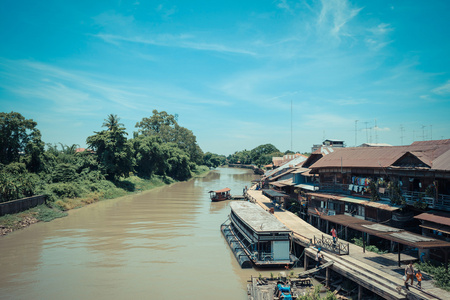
(112, 122)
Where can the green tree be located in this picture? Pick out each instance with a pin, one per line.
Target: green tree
(20, 140)
(213, 160)
(262, 155)
(149, 156)
(165, 126)
(114, 152)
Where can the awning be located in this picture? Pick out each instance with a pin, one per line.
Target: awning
(308, 187)
(387, 232)
(435, 217)
(272, 193)
(440, 228)
(221, 191)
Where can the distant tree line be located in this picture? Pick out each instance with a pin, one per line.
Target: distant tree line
(160, 147)
(259, 156)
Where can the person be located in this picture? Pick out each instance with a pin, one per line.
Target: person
(334, 235)
(419, 279)
(319, 257)
(409, 273)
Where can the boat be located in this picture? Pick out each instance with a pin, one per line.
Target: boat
(220, 195)
(256, 237)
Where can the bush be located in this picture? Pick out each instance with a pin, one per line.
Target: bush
(440, 274)
(371, 248)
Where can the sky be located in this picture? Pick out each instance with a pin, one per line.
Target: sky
(239, 74)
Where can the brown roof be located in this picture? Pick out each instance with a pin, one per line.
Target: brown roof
(383, 157)
(387, 232)
(435, 217)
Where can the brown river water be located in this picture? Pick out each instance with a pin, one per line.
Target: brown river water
(160, 244)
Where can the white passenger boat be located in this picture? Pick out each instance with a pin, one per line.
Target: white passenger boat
(257, 237)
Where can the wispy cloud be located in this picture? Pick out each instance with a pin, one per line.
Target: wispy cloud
(180, 41)
(335, 15)
(443, 89)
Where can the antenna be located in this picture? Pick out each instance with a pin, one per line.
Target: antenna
(431, 132)
(376, 132)
(423, 132)
(292, 148)
(401, 133)
(356, 133)
(367, 133)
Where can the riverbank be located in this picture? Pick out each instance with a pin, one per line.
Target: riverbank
(58, 208)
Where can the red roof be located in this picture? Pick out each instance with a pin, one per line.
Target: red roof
(221, 191)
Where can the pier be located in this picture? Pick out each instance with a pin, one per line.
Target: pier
(379, 273)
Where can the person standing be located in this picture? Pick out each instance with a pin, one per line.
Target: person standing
(334, 235)
(409, 273)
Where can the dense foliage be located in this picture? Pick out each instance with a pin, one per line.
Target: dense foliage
(439, 273)
(160, 149)
(261, 155)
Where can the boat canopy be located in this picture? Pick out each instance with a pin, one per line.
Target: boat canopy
(221, 191)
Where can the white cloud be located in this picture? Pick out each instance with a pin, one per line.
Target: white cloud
(335, 14)
(178, 41)
(443, 89)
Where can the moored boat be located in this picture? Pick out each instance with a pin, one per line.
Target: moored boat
(256, 236)
(220, 195)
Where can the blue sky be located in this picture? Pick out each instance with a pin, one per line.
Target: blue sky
(238, 73)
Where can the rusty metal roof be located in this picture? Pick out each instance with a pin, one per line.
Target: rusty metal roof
(435, 217)
(435, 155)
(361, 201)
(387, 232)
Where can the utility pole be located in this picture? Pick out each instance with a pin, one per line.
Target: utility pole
(356, 133)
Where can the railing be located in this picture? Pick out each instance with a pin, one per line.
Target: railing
(327, 243)
(334, 187)
(441, 201)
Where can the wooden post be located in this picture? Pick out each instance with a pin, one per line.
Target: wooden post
(364, 243)
(327, 277)
(328, 226)
(305, 263)
(360, 292)
(346, 236)
(398, 254)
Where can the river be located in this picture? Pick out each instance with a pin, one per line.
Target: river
(160, 244)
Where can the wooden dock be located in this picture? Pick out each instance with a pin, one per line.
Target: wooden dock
(378, 273)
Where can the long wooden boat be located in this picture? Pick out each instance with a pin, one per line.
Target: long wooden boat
(257, 237)
(220, 195)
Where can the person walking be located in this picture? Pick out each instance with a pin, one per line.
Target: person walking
(319, 258)
(409, 273)
(419, 279)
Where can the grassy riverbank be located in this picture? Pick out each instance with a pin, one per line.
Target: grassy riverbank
(84, 193)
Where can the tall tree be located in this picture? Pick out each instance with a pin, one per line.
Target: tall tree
(114, 152)
(19, 137)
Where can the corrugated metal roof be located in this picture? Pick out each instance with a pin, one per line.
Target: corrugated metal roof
(400, 236)
(435, 217)
(383, 157)
(293, 163)
(360, 201)
(257, 218)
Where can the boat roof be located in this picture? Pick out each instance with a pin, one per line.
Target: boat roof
(221, 191)
(257, 218)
